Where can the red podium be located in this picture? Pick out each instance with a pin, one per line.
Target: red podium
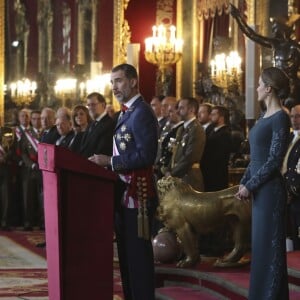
(78, 205)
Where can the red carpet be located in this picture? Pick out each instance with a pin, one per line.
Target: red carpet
(23, 273)
(233, 283)
(29, 282)
(293, 260)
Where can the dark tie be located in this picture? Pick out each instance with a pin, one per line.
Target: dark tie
(93, 126)
(44, 136)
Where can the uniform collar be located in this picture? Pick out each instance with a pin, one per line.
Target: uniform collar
(187, 123)
(131, 101)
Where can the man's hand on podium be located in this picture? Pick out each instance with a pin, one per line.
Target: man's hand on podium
(101, 160)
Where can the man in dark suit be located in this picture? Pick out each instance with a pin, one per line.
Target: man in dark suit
(156, 104)
(64, 128)
(49, 134)
(291, 173)
(214, 162)
(134, 151)
(204, 117)
(99, 135)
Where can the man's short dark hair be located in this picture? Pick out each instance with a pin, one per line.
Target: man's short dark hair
(100, 98)
(36, 111)
(223, 111)
(192, 103)
(129, 70)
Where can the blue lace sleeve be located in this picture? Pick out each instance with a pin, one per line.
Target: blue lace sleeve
(246, 175)
(280, 133)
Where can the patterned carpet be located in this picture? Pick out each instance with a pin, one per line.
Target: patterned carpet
(23, 267)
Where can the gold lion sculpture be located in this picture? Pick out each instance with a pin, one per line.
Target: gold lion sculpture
(190, 213)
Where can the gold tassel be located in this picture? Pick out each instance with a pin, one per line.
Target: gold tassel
(140, 223)
(146, 219)
(146, 224)
(140, 218)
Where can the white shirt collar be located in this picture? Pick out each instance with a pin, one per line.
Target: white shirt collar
(101, 116)
(24, 128)
(187, 123)
(131, 101)
(205, 125)
(36, 130)
(217, 128)
(177, 124)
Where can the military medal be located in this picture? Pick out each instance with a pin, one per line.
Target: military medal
(123, 146)
(127, 137)
(298, 167)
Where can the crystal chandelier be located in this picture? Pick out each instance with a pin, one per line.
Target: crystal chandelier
(226, 70)
(23, 91)
(163, 49)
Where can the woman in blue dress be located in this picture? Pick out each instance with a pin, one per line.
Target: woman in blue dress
(263, 182)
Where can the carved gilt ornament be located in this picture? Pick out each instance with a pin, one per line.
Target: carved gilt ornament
(209, 8)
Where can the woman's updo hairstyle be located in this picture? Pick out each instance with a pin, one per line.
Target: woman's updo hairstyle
(277, 80)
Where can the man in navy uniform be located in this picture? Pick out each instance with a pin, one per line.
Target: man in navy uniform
(291, 173)
(134, 151)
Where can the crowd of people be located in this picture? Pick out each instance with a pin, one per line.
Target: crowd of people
(181, 138)
(86, 129)
(189, 136)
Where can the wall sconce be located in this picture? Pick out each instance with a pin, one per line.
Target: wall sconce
(22, 91)
(100, 84)
(226, 70)
(66, 88)
(163, 49)
(70, 88)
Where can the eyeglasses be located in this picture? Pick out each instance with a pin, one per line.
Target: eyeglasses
(92, 104)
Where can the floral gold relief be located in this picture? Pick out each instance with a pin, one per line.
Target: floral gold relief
(122, 32)
(209, 8)
(164, 12)
(251, 12)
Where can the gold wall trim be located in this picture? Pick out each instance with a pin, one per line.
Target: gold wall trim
(122, 32)
(187, 28)
(2, 59)
(164, 12)
(179, 22)
(209, 8)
